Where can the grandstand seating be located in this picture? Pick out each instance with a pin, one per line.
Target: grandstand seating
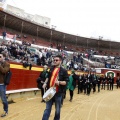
(46, 43)
(43, 43)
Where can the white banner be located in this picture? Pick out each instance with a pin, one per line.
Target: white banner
(115, 66)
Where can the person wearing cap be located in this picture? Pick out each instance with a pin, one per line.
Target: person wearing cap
(43, 77)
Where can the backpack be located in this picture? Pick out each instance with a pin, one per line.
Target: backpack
(7, 77)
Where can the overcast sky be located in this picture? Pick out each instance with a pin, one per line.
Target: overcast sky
(87, 18)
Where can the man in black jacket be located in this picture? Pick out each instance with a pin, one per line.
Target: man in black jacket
(103, 81)
(111, 79)
(58, 76)
(89, 83)
(80, 84)
(94, 81)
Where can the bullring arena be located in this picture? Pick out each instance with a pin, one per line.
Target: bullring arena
(23, 95)
(97, 106)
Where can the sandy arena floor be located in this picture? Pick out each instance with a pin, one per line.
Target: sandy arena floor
(99, 106)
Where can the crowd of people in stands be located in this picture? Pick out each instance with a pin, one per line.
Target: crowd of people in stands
(22, 53)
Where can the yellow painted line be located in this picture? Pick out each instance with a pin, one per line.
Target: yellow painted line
(15, 66)
(21, 67)
(37, 69)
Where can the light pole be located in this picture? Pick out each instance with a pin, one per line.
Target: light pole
(50, 36)
(110, 45)
(5, 20)
(22, 25)
(37, 32)
(100, 38)
(51, 32)
(87, 43)
(76, 40)
(64, 40)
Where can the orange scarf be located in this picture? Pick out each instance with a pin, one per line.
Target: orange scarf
(54, 77)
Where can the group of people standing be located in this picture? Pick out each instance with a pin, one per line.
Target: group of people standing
(91, 81)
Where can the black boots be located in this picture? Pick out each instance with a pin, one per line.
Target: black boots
(70, 99)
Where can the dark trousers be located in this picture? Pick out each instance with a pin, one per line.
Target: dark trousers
(111, 86)
(98, 87)
(118, 85)
(63, 97)
(103, 86)
(84, 88)
(80, 89)
(107, 86)
(88, 90)
(94, 87)
(71, 94)
(42, 92)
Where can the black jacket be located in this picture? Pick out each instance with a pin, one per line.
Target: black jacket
(75, 78)
(42, 77)
(63, 76)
